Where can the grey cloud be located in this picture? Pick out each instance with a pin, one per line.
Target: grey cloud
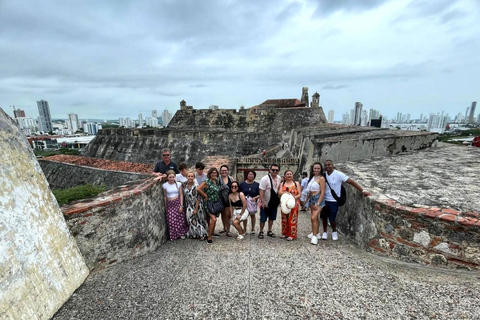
(327, 7)
(334, 87)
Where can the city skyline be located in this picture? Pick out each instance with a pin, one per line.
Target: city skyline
(119, 59)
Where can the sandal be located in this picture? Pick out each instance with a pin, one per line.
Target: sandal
(283, 236)
(223, 231)
(271, 234)
(260, 235)
(290, 239)
(228, 234)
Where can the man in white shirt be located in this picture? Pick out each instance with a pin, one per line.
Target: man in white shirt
(266, 187)
(335, 179)
(304, 184)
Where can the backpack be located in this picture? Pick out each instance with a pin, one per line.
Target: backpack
(224, 192)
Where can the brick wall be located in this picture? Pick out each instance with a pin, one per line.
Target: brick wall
(120, 224)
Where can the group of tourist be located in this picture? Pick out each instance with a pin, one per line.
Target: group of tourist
(194, 200)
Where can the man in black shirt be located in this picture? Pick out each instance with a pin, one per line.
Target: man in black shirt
(161, 167)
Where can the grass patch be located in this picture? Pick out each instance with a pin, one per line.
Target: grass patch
(65, 196)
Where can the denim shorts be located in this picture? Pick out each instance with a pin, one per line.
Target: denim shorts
(271, 214)
(313, 200)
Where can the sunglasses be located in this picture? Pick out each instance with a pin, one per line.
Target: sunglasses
(275, 170)
(166, 155)
(234, 187)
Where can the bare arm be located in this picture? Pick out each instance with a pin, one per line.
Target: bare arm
(180, 193)
(358, 187)
(262, 198)
(244, 202)
(321, 182)
(200, 190)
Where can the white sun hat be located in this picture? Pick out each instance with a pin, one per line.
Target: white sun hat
(287, 202)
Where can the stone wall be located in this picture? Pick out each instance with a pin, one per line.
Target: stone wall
(40, 263)
(193, 135)
(424, 207)
(64, 175)
(120, 224)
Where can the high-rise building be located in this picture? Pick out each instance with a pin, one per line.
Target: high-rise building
(18, 113)
(211, 107)
(125, 122)
(346, 118)
(471, 116)
(364, 118)
(467, 113)
(72, 122)
(154, 114)
(91, 128)
(331, 115)
(167, 116)
(437, 122)
(140, 120)
(352, 116)
(358, 114)
(44, 120)
(374, 114)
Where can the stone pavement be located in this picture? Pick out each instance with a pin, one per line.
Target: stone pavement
(273, 279)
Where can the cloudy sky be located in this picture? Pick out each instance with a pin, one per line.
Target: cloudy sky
(119, 58)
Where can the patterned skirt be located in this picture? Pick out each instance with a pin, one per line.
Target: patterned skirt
(177, 225)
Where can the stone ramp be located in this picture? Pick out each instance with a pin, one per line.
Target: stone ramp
(273, 279)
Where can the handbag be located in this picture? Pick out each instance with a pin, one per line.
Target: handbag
(215, 206)
(251, 205)
(224, 192)
(274, 198)
(343, 194)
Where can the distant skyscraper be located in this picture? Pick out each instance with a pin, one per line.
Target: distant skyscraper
(91, 128)
(154, 114)
(364, 118)
(72, 122)
(140, 120)
(374, 114)
(18, 113)
(331, 115)
(352, 116)
(167, 116)
(467, 113)
(44, 120)
(211, 107)
(358, 114)
(437, 122)
(345, 118)
(471, 116)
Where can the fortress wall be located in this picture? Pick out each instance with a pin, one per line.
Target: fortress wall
(430, 235)
(422, 208)
(40, 263)
(120, 224)
(363, 148)
(65, 175)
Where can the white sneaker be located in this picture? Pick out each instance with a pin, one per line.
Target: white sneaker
(244, 216)
(240, 237)
(319, 235)
(334, 235)
(324, 236)
(314, 240)
(310, 236)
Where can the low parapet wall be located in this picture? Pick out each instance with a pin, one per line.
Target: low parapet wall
(65, 175)
(432, 235)
(424, 207)
(120, 224)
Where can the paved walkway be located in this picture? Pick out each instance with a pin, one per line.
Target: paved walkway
(273, 279)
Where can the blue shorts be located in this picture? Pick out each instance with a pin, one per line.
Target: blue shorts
(332, 210)
(313, 200)
(271, 214)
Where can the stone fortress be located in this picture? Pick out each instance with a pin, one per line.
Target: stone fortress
(420, 211)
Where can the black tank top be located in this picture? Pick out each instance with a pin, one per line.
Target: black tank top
(237, 203)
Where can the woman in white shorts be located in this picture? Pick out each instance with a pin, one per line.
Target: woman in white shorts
(316, 199)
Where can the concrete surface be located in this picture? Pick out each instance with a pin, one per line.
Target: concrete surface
(273, 279)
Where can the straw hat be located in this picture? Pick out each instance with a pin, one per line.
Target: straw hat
(287, 202)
